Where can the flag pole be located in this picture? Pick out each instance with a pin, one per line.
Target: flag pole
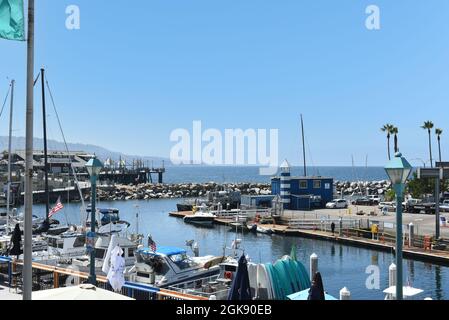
(28, 233)
(8, 195)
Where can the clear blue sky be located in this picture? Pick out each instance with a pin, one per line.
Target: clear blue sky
(139, 69)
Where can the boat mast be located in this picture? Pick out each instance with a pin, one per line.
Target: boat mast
(44, 118)
(8, 196)
(303, 147)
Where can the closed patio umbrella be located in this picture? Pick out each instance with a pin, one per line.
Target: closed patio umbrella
(16, 239)
(116, 276)
(241, 289)
(317, 289)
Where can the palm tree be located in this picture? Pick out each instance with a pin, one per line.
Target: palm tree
(439, 132)
(388, 128)
(395, 131)
(428, 125)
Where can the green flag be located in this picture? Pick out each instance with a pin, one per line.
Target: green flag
(12, 21)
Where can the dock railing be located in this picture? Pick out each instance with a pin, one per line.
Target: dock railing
(245, 213)
(49, 277)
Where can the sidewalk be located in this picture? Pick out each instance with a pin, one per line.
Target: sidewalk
(6, 294)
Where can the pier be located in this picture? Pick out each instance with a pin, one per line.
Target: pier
(353, 230)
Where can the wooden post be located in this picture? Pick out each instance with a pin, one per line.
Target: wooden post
(55, 279)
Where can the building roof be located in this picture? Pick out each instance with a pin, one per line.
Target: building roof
(285, 165)
(306, 178)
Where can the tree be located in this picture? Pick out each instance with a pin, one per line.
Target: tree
(418, 188)
(388, 128)
(428, 125)
(395, 131)
(439, 132)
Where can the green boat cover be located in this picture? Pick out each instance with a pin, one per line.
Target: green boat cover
(287, 277)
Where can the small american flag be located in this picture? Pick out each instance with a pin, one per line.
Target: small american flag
(56, 208)
(152, 244)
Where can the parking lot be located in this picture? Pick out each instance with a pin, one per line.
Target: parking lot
(424, 224)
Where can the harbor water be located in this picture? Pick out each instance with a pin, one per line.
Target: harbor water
(238, 174)
(341, 266)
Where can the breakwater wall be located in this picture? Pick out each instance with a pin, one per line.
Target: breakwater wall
(147, 191)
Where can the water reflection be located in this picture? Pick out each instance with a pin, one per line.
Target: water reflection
(346, 271)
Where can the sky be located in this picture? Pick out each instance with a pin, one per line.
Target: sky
(137, 70)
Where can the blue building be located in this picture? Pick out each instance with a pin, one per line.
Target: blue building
(302, 193)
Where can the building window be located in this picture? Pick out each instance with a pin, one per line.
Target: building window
(317, 184)
(303, 184)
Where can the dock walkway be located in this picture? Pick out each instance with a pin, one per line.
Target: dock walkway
(433, 256)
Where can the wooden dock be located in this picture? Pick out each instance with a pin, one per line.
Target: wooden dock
(433, 256)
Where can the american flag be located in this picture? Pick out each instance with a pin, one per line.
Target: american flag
(152, 244)
(56, 208)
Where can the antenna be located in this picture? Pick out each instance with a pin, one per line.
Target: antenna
(303, 147)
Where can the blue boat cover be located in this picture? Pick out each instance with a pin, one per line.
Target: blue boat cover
(168, 251)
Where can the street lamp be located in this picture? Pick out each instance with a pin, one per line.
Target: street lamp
(94, 167)
(398, 170)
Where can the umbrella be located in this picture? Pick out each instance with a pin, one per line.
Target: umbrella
(116, 272)
(240, 289)
(304, 295)
(16, 238)
(82, 292)
(317, 290)
(112, 244)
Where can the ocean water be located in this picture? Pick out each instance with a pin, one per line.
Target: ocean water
(340, 265)
(238, 174)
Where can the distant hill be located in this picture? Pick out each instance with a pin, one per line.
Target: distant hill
(18, 143)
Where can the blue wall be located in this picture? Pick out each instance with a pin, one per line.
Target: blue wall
(325, 191)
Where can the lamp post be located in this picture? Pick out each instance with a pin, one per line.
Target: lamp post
(94, 167)
(398, 170)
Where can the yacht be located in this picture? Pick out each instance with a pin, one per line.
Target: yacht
(169, 266)
(101, 247)
(201, 217)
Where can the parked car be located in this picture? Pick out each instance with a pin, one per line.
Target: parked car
(444, 206)
(337, 204)
(375, 199)
(390, 206)
(362, 202)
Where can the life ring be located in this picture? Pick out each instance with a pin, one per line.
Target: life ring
(228, 275)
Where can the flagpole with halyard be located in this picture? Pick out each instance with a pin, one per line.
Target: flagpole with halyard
(28, 232)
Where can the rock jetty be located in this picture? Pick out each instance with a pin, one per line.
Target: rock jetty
(194, 190)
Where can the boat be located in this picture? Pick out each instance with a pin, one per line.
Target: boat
(201, 217)
(101, 247)
(227, 199)
(169, 266)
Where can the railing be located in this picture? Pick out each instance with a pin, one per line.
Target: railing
(251, 213)
(49, 277)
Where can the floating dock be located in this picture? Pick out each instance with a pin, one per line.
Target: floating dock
(433, 256)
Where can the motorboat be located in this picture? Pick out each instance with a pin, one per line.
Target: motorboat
(201, 217)
(169, 266)
(101, 247)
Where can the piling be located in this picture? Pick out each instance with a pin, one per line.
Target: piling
(313, 265)
(392, 275)
(411, 232)
(345, 294)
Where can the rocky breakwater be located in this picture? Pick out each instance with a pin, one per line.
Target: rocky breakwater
(169, 191)
(362, 187)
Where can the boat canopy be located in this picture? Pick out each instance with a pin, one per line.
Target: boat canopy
(168, 251)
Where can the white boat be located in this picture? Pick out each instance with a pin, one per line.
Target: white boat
(101, 247)
(169, 266)
(201, 217)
